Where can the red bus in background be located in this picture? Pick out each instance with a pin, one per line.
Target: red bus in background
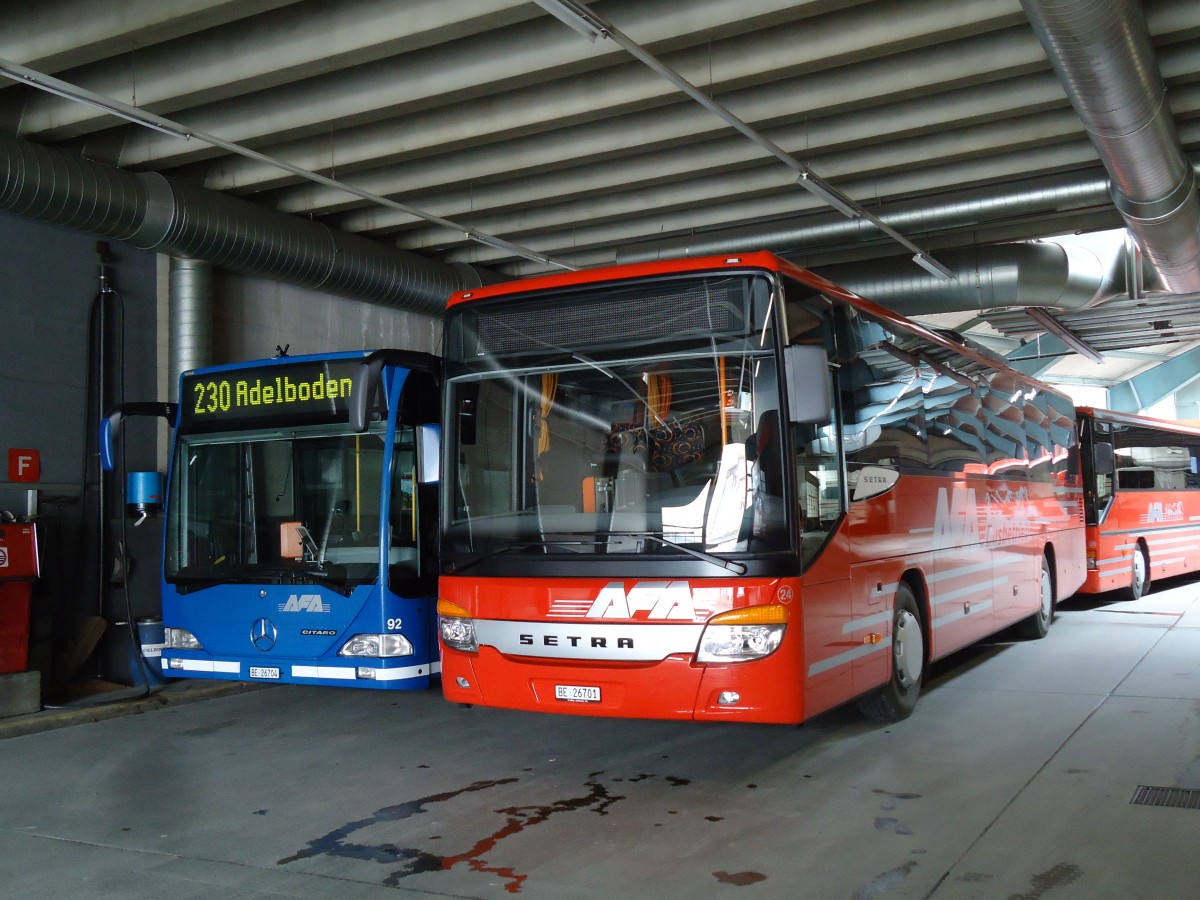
(1141, 500)
(727, 489)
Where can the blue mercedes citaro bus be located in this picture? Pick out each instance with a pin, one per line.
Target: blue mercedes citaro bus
(299, 546)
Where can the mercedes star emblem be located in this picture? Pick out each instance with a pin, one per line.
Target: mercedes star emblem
(263, 634)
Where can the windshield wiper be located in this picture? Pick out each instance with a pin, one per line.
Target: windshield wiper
(731, 564)
(309, 576)
(256, 574)
(453, 568)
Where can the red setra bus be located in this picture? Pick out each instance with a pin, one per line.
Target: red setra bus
(1141, 500)
(727, 489)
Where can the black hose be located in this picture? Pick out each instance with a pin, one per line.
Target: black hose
(98, 371)
(135, 643)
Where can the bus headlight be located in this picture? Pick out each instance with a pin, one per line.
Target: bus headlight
(456, 627)
(743, 634)
(377, 645)
(180, 639)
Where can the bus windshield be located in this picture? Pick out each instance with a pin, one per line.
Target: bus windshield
(287, 506)
(642, 421)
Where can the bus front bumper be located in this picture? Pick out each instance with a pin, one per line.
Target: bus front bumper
(765, 690)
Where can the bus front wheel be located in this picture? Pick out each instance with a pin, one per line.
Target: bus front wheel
(1139, 581)
(898, 698)
(1037, 626)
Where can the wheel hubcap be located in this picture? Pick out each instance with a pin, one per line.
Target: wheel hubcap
(1139, 569)
(1047, 595)
(908, 649)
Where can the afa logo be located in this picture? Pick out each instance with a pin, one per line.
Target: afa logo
(960, 520)
(956, 521)
(655, 599)
(304, 603)
(1164, 512)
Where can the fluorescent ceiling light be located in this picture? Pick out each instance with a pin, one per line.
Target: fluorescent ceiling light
(933, 267)
(77, 94)
(1064, 334)
(575, 16)
(830, 195)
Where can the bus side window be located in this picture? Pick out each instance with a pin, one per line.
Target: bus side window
(1134, 479)
(1192, 478)
(1148, 460)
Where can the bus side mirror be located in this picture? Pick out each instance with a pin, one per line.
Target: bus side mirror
(429, 453)
(367, 377)
(809, 387)
(110, 426)
(1102, 458)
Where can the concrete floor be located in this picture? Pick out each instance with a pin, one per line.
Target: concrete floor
(1013, 780)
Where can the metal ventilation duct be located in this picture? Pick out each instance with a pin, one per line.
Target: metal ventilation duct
(1005, 275)
(191, 320)
(1102, 53)
(153, 213)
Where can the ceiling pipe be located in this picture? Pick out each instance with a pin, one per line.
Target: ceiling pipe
(1103, 56)
(1041, 274)
(152, 212)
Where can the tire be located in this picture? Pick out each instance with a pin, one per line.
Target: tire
(897, 699)
(1139, 576)
(1037, 626)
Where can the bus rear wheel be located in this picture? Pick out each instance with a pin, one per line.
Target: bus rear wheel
(897, 699)
(1139, 580)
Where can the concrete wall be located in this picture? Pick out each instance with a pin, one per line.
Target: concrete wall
(49, 378)
(255, 316)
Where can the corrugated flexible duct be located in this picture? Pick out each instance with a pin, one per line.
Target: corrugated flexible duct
(1102, 53)
(154, 213)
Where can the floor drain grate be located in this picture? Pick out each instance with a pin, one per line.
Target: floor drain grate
(1179, 798)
